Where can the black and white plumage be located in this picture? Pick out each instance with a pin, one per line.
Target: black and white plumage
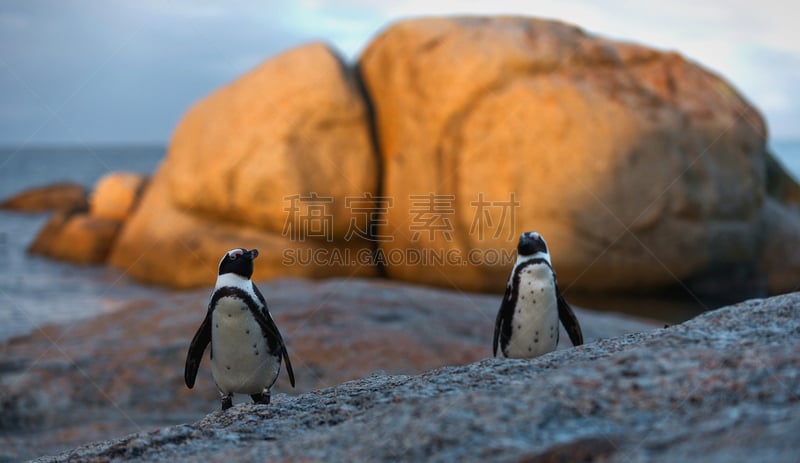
(527, 322)
(246, 346)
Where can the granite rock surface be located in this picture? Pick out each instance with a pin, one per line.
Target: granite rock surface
(123, 372)
(722, 387)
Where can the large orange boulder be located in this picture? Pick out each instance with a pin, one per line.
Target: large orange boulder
(280, 160)
(295, 125)
(163, 244)
(639, 167)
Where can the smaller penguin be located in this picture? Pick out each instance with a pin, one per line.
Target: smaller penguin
(527, 322)
(246, 346)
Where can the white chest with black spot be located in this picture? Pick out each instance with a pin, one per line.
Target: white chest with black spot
(240, 361)
(534, 323)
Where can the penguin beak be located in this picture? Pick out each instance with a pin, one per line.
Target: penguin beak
(253, 254)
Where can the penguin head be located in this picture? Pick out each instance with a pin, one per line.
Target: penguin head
(238, 261)
(531, 243)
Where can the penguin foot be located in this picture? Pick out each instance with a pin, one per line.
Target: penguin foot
(227, 401)
(262, 398)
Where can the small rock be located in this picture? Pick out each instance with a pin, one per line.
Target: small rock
(66, 197)
(76, 238)
(115, 195)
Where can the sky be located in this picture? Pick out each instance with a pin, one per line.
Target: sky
(87, 72)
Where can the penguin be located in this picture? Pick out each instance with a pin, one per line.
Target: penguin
(527, 322)
(246, 346)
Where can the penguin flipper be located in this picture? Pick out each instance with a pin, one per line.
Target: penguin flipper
(285, 355)
(501, 331)
(196, 350)
(569, 320)
(269, 328)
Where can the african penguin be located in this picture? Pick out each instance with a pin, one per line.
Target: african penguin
(527, 322)
(246, 346)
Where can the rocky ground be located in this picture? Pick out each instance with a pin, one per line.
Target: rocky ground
(123, 372)
(722, 387)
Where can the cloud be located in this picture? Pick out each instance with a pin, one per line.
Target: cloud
(116, 71)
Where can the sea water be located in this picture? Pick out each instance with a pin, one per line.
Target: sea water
(35, 290)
